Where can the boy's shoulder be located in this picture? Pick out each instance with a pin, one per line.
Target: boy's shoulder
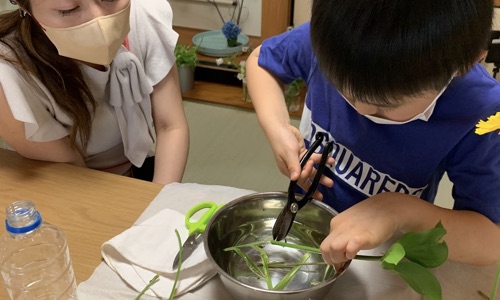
(479, 85)
(474, 95)
(299, 35)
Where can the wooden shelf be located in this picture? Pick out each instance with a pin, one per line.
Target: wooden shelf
(223, 94)
(216, 92)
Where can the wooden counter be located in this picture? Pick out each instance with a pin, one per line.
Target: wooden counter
(90, 206)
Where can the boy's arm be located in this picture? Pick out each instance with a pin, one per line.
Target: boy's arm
(268, 100)
(471, 237)
(286, 141)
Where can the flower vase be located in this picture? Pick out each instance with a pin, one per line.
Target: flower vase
(246, 95)
(232, 42)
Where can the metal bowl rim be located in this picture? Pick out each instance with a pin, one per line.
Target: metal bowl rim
(265, 195)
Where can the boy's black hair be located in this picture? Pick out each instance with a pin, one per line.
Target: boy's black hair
(379, 50)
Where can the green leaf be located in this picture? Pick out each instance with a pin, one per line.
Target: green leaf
(426, 248)
(420, 279)
(393, 256)
(186, 55)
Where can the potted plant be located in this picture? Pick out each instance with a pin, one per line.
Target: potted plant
(186, 60)
(292, 94)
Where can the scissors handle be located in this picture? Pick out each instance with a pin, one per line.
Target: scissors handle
(200, 225)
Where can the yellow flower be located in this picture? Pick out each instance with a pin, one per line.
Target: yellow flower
(492, 124)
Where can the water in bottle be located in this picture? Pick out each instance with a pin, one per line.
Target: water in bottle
(34, 257)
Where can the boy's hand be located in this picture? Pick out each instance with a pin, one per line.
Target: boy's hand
(365, 225)
(288, 147)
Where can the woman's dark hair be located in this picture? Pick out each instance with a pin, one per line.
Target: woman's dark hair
(380, 50)
(35, 54)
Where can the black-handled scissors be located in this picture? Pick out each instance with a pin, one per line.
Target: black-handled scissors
(287, 215)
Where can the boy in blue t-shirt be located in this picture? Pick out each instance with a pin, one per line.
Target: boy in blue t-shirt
(397, 88)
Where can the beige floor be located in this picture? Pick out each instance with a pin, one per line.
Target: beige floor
(229, 148)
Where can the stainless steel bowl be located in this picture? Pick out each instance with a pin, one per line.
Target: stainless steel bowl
(251, 218)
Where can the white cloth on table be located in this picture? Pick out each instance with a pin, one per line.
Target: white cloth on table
(174, 200)
(363, 279)
(149, 248)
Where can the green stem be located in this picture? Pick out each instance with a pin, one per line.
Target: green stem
(368, 257)
(251, 264)
(148, 286)
(291, 265)
(289, 276)
(495, 283)
(174, 288)
(258, 243)
(265, 266)
(317, 251)
(296, 246)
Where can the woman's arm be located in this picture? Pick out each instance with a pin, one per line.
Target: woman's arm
(172, 132)
(13, 133)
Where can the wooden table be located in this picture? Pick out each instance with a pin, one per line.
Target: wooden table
(89, 206)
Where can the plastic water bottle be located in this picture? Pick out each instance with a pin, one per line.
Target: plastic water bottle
(34, 257)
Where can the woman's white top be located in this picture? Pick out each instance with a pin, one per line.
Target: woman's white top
(122, 127)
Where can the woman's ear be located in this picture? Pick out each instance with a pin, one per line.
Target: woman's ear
(13, 2)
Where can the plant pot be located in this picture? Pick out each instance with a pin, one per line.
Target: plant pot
(186, 78)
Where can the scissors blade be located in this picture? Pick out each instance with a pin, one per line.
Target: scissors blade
(188, 248)
(283, 224)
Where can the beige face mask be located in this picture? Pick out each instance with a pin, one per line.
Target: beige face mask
(96, 41)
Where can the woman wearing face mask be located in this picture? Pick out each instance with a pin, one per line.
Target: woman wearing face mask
(93, 83)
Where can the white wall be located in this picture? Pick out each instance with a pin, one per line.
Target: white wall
(5, 4)
(203, 15)
(302, 13)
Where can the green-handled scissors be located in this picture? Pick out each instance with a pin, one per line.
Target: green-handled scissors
(195, 229)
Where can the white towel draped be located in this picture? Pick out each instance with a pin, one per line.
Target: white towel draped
(130, 90)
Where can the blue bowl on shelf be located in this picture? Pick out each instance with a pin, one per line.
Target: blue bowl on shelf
(214, 43)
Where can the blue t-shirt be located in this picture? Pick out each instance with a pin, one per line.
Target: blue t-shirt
(411, 158)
